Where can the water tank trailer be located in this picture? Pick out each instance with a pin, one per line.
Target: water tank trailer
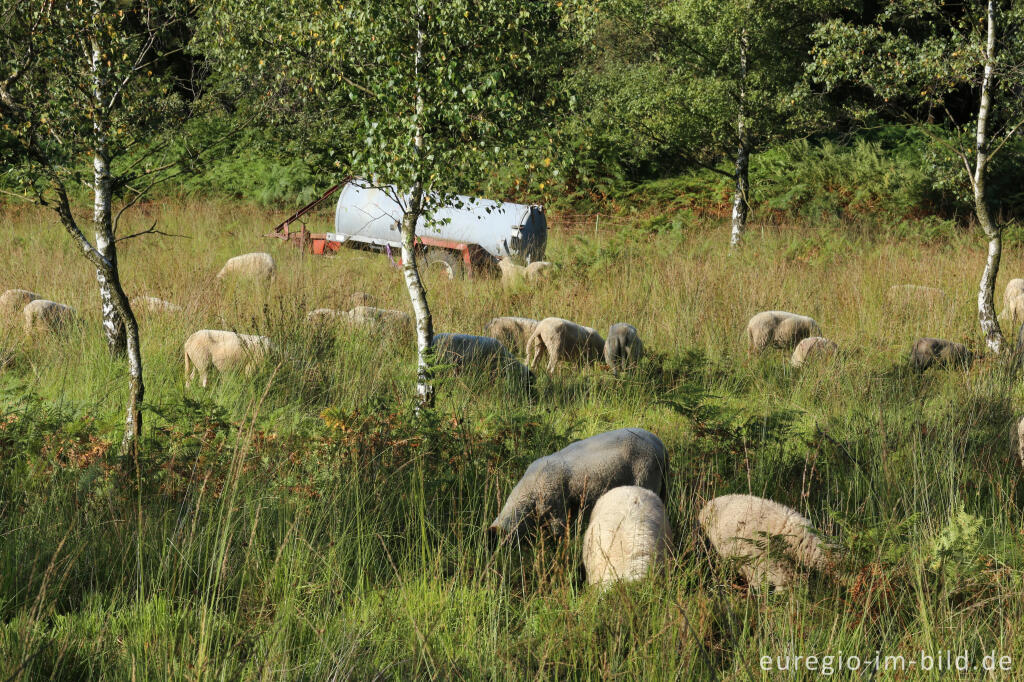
(464, 238)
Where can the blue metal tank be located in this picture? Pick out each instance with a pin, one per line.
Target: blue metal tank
(369, 215)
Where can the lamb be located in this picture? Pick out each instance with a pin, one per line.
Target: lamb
(13, 301)
(482, 352)
(47, 316)
(513, 332)
(927, 352)
(901, 294)
(255, 266)
(225, 351)
(771, 540)
(1013, 301)
(325, 315)
(153, 304)
(378, 317)
(563, 340)
(510, 272)
(361, 298)
(779, 329)
(812, 346)
(540, 270)
(628, 535)
(623, 348)
(562, 486)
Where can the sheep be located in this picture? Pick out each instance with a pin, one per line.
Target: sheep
(1013, 301)
(378, 317)
(513, 332)
(540, 270)
(361, 298)
(482, 352)
(1017, 438)
(13, 301)
(564, 485)
(927, 352)
(628, 535)
(780, 329)
(901, 294)
(325, 315)
(771, 540)
(256, 266)
(812, 346)
(563, 340)
(623, 348)
(152, 304)
(225, 351)
(47, 316)
(510, 272)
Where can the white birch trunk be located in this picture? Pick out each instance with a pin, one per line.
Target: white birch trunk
(741, 194)
(418, 295)
(113, 324)
(986, 288)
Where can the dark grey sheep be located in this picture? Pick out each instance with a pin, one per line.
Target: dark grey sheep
(623, 348)
(564, 486)
(927, 352)
(480, 352)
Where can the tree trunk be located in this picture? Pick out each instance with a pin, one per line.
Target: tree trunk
(741, 195)
(986, 288)
(413, 211)
(136, 387)
(113, 323)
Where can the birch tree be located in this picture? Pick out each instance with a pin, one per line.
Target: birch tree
(959, 66)
(432, 92)
(683, 83)
(83, 102)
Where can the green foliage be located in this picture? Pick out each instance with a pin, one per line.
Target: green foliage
(957, 544)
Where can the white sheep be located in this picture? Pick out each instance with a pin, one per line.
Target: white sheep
(623, 348)
(563, 340)
(1013, 301)
(361, 298)
(223, 350)
(325, 315)
(13, 301)
(780, 329)
(152, 304)
(255, 266)
(812, 346)
(47, 316)
(365, 315)
(628, 535)
(540, 270)
(513, 332)
(510, 272)
(770, 540)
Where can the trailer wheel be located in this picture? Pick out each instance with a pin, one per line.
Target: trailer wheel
(446, 262)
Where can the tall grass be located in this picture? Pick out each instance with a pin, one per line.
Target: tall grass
(306, 523)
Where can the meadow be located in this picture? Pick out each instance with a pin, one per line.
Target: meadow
(307, 523)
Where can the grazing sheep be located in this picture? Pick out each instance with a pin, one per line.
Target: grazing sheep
(256, 266)
(482, 352)
(540, 270)
(1017, 438)
(628, 535)
(623, 348)
(223, 350)
(325, 315)
(151, 304)
(812, 346)
(512, 331)
(510, 272)
(361, 298)
(902, 294)
(1013, 301)
(771, 539)
(564, 485)
(379, 317)
(47, 316)
(563, 340)
(779, 329)
(927, 352)
(13, 301)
